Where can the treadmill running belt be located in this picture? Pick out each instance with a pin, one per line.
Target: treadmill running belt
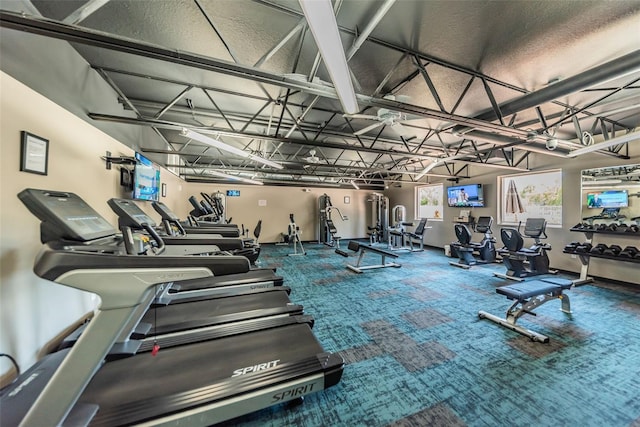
(176, 317)
(176, 371)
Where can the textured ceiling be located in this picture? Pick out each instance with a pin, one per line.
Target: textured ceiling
(225, 70)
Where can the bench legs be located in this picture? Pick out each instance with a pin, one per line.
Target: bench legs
(359, 269)
(518, 308)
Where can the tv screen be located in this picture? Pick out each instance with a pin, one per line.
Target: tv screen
(608, 199)
(465, 196)
(146, 179)
(233, 193)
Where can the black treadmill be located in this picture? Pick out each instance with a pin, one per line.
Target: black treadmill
(178, 316)
(130, 215)
(194, 384)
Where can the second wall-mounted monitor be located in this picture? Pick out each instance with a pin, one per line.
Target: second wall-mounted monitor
(608, 199)
(465, 196)
(146, 179)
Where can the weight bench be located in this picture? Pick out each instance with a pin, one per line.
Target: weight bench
(362, 249)
(527, 297)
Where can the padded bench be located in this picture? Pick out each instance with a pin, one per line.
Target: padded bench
(362, 249)
(527, 297)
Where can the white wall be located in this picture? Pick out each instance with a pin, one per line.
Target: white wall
(442, 232)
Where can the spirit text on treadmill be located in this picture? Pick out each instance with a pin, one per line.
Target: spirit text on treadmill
(293, 392)
(255, 368)
(24, 384)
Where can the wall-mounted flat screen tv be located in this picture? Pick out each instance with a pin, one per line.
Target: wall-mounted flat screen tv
(608, 199)
(465, 196)
(146, 179)
(233, 193)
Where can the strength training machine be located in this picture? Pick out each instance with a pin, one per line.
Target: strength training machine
(327, 231)
(528, 296)
(362, 249)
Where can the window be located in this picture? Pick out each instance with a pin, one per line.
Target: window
(429, 201)
(530, 195)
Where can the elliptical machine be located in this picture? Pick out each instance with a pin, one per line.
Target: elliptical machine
(293, 236)
(466, 250)
(524, 262)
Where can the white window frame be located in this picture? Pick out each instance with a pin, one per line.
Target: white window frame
(524, 182)
(438, 209)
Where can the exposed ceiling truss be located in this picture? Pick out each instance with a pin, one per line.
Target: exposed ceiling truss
(283, 113)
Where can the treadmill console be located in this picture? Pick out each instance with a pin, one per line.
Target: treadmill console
(65, 216)
(129, 214)
(164, 211)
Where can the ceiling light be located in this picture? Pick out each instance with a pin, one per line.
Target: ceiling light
(355, 185)
(605, 144)
(603, 182)
(233, 177)
(323, 25)
(226, 147)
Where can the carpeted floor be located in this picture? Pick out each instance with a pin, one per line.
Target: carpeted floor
(417, 354)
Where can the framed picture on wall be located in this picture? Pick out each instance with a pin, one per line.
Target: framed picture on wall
(34, 153)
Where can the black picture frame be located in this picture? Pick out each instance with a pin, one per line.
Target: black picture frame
(34, 153)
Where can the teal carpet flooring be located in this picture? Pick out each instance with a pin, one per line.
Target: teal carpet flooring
(417, 355)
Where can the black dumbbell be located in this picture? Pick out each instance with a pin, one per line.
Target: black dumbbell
(583, 248)
(628, 252)
(612, 227)
(632, 229)
(601, 227)
(578, 226)
(613, 250)
(599, 249)
(622, 227)
(571, 247)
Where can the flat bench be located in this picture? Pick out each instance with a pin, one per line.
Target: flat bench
(362, 249)
(528, 296)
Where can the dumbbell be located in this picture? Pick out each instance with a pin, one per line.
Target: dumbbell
(601, 227)
(599, 249)
(628, 252)
(613, 250)
(622, 228)
(578, 226)
(571, 247)
(612, 227)
(632, 229)
(583, 248)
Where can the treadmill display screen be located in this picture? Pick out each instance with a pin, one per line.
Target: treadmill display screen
(68, 212)
(164, 211)
(126, 209)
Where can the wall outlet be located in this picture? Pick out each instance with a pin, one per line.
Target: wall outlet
(574, 256)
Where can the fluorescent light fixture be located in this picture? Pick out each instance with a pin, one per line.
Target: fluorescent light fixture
(228, 148)
(427, 170)
(605, 144)
(323, 26)
(233, 177)
(603, 182)
(355, 185)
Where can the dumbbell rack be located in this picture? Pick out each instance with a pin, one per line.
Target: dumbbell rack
(586, 257)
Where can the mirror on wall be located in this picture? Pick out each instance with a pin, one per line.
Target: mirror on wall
(612, 193)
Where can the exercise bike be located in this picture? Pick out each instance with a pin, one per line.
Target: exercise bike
(471, 253)
(525, 262)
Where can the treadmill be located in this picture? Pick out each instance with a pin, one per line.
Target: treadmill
(130, 215)
(195, 384)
